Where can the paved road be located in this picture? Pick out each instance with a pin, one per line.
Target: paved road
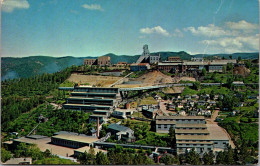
(163, 107)
(212, 121)
(213, 117)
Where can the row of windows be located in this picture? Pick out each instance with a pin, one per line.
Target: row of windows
(189, 128)
(190, 120)
(180, 119)
(201, 149)
(65, 142)
(193, 140)
(165, 126)
(215, 67)
(154, 58)
(192, 133)
(194, 144)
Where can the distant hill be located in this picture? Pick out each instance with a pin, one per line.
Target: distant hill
(182, 54)
(234, 55)
(30, 66)
(33, 65)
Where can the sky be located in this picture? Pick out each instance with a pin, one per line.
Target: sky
(83, 28)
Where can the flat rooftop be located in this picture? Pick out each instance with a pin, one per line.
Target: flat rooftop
(192, 142)
(101, 111)
(164, 117)
(193, 137)
(84, 105)
(189, 117)
(199, 131)
(123, 110)
(36, 136)
(92, 93)
(86, 149)
(89, 87)
(16, 161)
(191, 125)
(76, 138)
(180, 117)
(97, 115)
(217, 133)
(90, 98)
(44, 144)
(165, 122)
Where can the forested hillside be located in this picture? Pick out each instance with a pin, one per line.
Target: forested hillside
(34, 65)
(254, 55)
(21, 95)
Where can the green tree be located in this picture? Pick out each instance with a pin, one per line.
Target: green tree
(167, 159)
(248, 64)
(5, 155)
(192, 157)
(229, 66)
(101, 159)
(212, 94)
(204, 71)
(230, 82)
(172, 136)
(196, 85)
(229, 156)
(208, 158)
(224, 69)
(47, 153)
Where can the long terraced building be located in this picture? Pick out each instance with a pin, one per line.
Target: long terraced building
(89, 99)
(193, 132)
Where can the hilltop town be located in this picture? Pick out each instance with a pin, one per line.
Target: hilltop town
(197, 111)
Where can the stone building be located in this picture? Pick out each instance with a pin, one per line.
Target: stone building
(174, 58)
(90, 61)
(101, 61)
(104, 61)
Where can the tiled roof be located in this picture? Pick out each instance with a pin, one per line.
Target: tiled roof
(117, 127)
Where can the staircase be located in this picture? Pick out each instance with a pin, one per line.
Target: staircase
(34, 129)
(117, 82)
(141, 58)
(103, 139)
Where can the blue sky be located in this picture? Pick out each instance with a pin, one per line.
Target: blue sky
(97, 27)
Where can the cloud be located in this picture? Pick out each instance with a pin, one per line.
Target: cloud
(93, 7)
(10, 5)
(242, 25)
(235, 44)
(155, 30)
(240, 36)
(177, 33)
(210, 30)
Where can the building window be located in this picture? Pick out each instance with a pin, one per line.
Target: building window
(159, 126)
